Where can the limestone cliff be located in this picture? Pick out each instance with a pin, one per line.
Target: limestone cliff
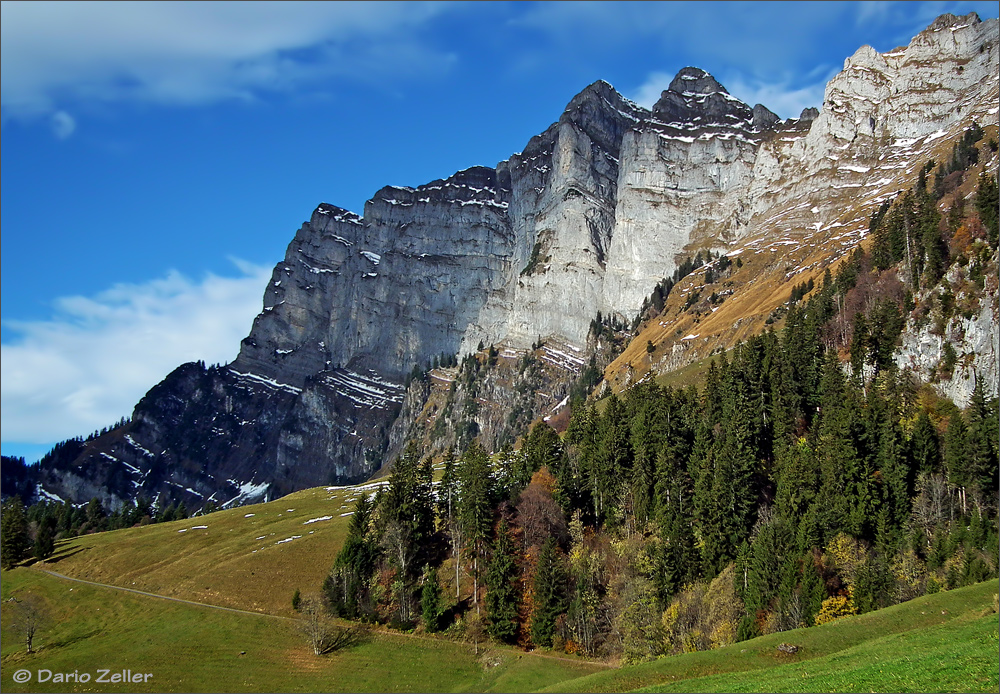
(586, 219)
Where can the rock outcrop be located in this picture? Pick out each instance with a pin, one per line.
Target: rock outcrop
(972, 336)
(588, 218)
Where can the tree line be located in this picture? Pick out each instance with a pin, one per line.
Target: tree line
(32, 531)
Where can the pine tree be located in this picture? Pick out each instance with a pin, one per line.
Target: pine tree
(987, 203)
(346, 586)
(502, 587)
(475, 510)
(859, 347)
(981, 442)
(430, 600)
(924, 445)
(550, 594)
(733, 488)
(44, 542)
(955, 461)
(14, 541)
(892, 462)
(645, 442)
(841, 471)
(796, 481)
(612, 461)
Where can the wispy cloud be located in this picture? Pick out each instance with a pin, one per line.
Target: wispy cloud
(900, 21)
(780, 97)
(200, 52)
(649, 92)
(89, 364)
(63, 124)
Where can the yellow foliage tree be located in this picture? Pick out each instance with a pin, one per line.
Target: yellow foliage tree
(834, 608)
(846, 554)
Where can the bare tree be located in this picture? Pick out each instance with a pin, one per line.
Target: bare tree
(398, 542)
(475, 630)
(321, 630)
(29, 617)
(933, 503)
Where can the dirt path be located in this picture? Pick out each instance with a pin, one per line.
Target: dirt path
(162, 597)
(385, 632)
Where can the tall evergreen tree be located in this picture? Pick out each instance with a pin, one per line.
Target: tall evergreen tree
(346, 587)
(502, 590)
(981, 443)
(430, 600)
(549, 594)
(475, 510)
(840, 465)
(988, 205)
(14, 540)
(44, 542)
(925, 447)
(956, 462)
(612, 461)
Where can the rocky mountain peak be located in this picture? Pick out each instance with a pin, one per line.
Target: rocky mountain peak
(947, 21)
(695, 80)
(603, 114)
(695, 98)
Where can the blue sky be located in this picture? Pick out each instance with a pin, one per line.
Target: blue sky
(158, 157)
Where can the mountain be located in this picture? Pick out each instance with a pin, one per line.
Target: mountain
(584, 222)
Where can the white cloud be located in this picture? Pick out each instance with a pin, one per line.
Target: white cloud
(704, 34)
(780, 97)
(199, 52)
(649, 93)
(63, 124)
(92, 362)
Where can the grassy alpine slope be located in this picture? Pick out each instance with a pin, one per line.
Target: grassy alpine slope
(941, 642)
(190, 648)
(250, 558)
(946, 642)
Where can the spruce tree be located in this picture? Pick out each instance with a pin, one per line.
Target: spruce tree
(502, 587)
(925, 448)
(475, 510)
(14, 541)
(346, 586)
(987, 203)
(44, 542)
(839, 463)
(981, 443)
(550, 594)
(430, 600)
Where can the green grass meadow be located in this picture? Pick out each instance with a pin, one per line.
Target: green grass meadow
(945, 642)
(188, 648)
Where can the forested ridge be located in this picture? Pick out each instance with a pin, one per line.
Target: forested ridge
(808, 479)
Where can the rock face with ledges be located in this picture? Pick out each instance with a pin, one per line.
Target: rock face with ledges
(587, 218)
(388, 290)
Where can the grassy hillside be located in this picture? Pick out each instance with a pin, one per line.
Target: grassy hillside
(243, 559)
(191, 648)
(942, 642)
